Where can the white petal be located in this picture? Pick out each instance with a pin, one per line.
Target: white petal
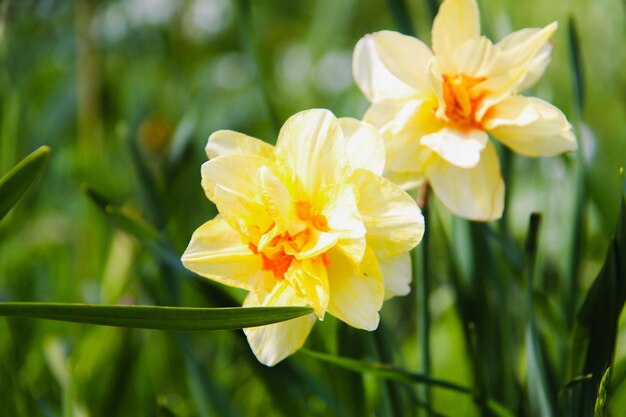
(374, 79)
(476, 193)
(311, 143)
(527, 48)
(365, 147)
(402, 124)
(228, 142)
(456, 22)
(397, 275)
(393, 221)
(405, 57)
(460, 148)
(531, 127)
(273, 343)
(475, 57)
(217, 252)
(356, 295)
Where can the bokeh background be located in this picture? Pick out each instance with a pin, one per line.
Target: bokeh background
(126, 94)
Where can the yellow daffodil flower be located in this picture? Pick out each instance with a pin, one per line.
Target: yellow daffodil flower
(310, 222)
(435, 109)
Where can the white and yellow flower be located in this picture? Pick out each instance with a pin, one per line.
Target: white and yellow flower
(435, 109)
(310, 222)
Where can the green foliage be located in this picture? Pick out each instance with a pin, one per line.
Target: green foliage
(17, 181)
(155, 317)
(503, 320)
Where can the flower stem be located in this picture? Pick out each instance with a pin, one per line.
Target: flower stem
(422, 290)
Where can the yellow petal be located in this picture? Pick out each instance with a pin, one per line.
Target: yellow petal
(228, 142)
(456, 22)
(402, 124)
(319, 242)
(216, 252)
(248, 217)
(476, 193)
(310, 281)
(312, 145)
(531, 127)
(460, 148)
(397, 275)
(365, 147)
(356, 295)
(405, 57)
(341, 210)
(279, 202)
(273, 343)
(498, 88)
(527, 48)
(233, 172)
(393, 221)
(374, 79)
(475, 57)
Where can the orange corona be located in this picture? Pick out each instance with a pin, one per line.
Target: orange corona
(462, 100)
(278, 254)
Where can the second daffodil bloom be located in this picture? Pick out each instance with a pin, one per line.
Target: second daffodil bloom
(436, 108)
(310, 222)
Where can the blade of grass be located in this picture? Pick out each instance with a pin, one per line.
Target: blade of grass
(16, 182)
(538, 389)
(382, 370)
(401, 16)
(595, 330)
(155, 317)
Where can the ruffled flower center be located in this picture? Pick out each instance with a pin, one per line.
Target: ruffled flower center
(278, 250)
(462, 100)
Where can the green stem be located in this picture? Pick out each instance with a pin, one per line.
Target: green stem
(422, 289)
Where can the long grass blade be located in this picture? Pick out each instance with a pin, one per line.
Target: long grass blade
(155, 317)
(16, 182)
(382, 370)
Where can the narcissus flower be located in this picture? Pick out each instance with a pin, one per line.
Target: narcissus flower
(309, 222)
(435, 109)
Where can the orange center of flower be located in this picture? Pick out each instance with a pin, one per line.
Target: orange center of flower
(278, 253)
(462, 100)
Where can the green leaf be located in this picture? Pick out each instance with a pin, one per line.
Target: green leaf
(155, 317)
(539, 395)
(382, 370)
(577, 66)
(16, 182)
(595, 331)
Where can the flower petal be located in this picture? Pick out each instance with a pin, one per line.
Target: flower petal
(312, 145)
(460, 148)
(476, 193)
(365, 147)
(248, 217)
(233, 172)
(228, 142)
(393, 221)
(529, 48)
(279, 202)
(375, 80)
(397, 275)
(273, 343)
(531, 127)
(456, 22)
(356, 295)
(216, 252)
(405, 57)
(310, 280)
(475, 57)
(402, 124)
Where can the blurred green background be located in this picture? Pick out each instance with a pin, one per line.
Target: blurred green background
(126, 94)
